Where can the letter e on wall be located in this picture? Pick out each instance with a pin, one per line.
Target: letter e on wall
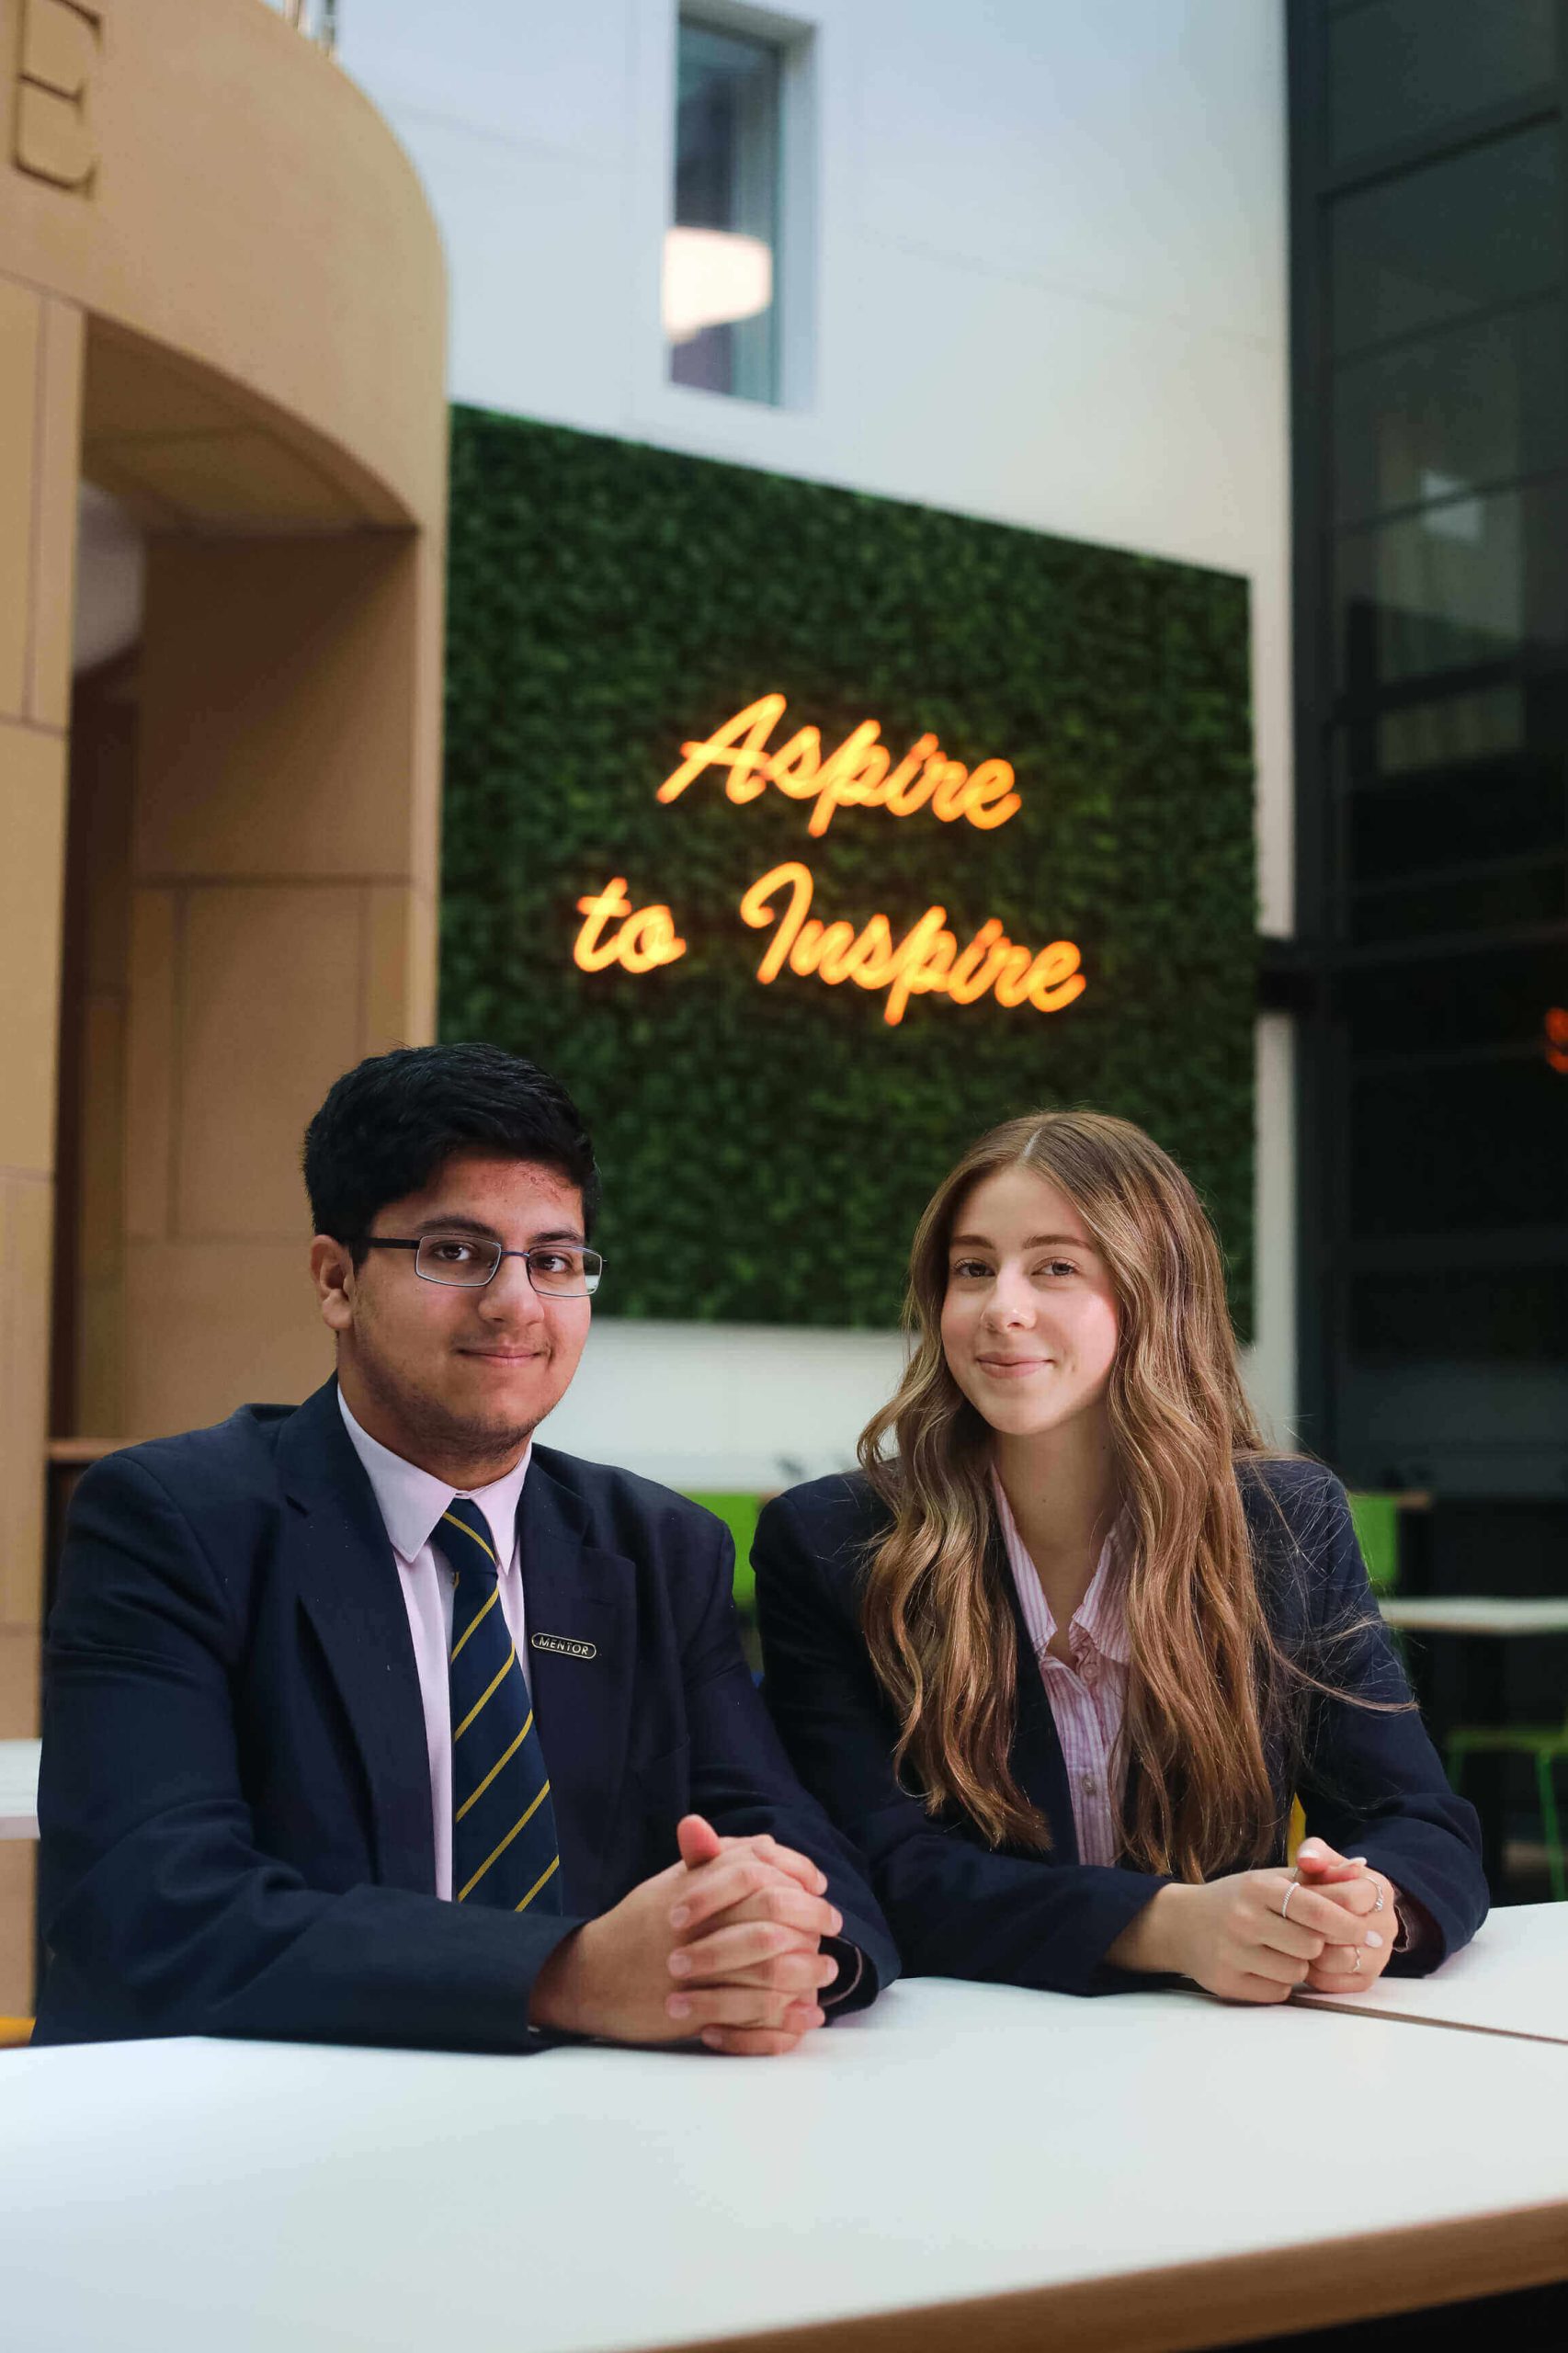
(53, 138)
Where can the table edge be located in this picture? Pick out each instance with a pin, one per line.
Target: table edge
(1181, 2307)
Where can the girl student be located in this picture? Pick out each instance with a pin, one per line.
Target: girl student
(1060, 1656)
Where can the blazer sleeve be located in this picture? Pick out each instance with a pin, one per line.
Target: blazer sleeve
(956, 1907)
(1371, 1783)
(744, 1784)
(162, 1914)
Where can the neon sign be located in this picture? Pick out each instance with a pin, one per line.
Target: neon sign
(859, 775)
(1557, 1037)
(927, 961)
(646, 938)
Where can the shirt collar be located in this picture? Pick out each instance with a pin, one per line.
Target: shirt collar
(412, 1500)
(1101, 1615)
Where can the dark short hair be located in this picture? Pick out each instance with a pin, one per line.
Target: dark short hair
(389, 1123)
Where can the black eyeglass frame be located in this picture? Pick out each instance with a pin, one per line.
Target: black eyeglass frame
(593, 1273)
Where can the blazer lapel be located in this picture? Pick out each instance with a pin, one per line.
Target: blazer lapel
(1039, 1766)
(349, 1590)
(579, 1604)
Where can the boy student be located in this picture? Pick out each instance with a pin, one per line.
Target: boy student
(373, 1721)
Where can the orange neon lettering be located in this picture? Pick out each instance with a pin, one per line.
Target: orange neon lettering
(756, 910)
(917, 791)
(796, 766)
(922, 962)
(1012, 981)
(645, 939)
(648, 939)
(909, 768)
(991, 800)
(824, 952)
(869, 962)
(755, 724)
(925, 961)
(851, 776)
(1557, 1037)
(978, 966)
(859, 774)
(952, 791)
(610, 902)
(1054, 978)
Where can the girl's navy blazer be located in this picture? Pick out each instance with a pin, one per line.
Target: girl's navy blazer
(1369, 1780)
(234, 1805)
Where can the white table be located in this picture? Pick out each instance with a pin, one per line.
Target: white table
(965, 2165)
(18, 1788)
(1513, 1980)
(1479, 1613)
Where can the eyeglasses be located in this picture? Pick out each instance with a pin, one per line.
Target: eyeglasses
(462, 1261)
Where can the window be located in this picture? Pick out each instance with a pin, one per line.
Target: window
(721, 281)
(1431, 574)
(1400, 68)
(1464, 581)
(1466, 232)
(1479, 403)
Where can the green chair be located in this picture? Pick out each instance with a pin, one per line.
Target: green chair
(1546, 1745)
(739, 1513)
(1376, 1521)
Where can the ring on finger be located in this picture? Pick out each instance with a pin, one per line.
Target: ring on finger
(1285, 1905)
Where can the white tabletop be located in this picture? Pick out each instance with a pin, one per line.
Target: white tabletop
(1478, 1613)
(1143, 2171)
(1512, 1980)
(18, 1788)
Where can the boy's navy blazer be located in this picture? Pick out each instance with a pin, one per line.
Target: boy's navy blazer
(234, 1805)
(1369, 1778)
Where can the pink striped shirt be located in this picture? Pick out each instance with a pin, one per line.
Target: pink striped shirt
(1088, 1697)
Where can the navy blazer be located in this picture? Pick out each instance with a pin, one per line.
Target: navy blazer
(234, 1807)
(1370, 1781)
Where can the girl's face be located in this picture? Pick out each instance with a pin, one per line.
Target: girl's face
(1029, 1321)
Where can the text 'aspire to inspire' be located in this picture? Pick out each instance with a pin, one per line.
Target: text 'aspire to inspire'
(860, 773)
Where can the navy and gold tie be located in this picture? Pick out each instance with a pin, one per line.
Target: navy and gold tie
(503, 1850)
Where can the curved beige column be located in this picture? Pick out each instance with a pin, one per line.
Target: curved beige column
(194, 171)
(222, 299)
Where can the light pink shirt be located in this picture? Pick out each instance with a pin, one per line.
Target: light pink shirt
(1088, 1697)
(411, 1504)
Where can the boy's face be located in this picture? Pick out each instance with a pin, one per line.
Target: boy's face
(448, 1377)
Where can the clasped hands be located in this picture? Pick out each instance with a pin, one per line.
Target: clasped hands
(724, 1945)
(1328, 1927)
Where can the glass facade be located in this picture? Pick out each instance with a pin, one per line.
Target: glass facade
(720, 252)
(1430, 365)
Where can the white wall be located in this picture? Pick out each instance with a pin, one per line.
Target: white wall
(1049, 266)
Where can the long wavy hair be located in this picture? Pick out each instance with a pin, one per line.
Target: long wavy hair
(1207, 1684)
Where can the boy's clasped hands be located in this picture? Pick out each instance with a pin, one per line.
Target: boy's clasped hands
(724, 1945)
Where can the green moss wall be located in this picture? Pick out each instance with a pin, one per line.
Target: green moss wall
(767, 1150)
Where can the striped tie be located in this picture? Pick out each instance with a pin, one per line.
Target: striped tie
(503, 1850)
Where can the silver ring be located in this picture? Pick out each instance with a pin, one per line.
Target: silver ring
(1378, 1892)
(1289, 1892)
(1356, 1961)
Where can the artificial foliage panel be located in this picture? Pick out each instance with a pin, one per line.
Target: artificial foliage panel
(767, 1146)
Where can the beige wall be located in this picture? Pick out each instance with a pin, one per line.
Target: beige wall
(222, 299)
(214, 183)
(41, 380)
(282, 925)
